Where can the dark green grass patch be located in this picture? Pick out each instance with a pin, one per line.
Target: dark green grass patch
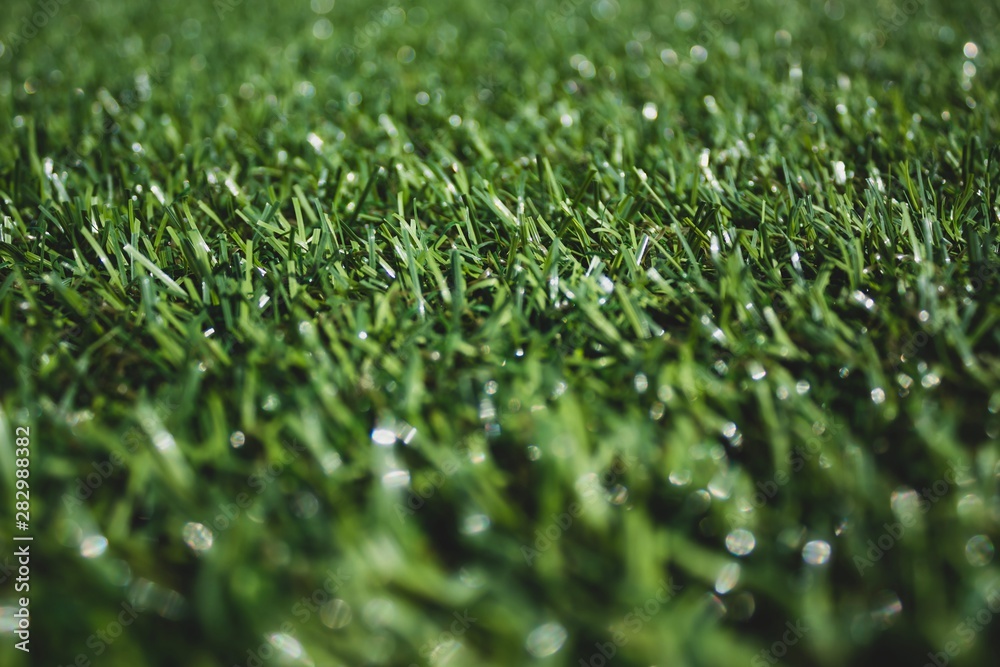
(509, 334)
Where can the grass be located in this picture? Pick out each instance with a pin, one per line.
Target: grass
(462, 334)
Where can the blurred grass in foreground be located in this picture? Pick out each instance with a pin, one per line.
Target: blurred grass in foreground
(502, 334)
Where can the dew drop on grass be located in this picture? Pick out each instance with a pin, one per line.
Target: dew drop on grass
(969, 506)
(305, 505)
(680, 477)
(863, 300)
(379, 613)
(336, 614)
(979, 551)
(715, 606)
(471, 578)
(314, 139)
(699, 501)
(904, 501)
(444, 652)
(287, 644)
(721, 486)
(119, 573)
(727, 579)
(740, 542)
(887, 608)
(331, 462)
(545, 640)
(735, 440)
(197, 536)
(237, 439)
(93, 546)
(534, 452)
(839, 173)
(396, 479)
(383, 436)
(475, 524)
(618, 495)
(878, 395)
(816, 552)
(685, 20)
(405, 433)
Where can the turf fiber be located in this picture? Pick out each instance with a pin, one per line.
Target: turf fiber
(540, 333)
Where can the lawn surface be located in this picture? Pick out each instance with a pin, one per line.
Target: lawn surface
(501, 333)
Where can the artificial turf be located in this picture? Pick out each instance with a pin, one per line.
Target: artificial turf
(506, 334)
